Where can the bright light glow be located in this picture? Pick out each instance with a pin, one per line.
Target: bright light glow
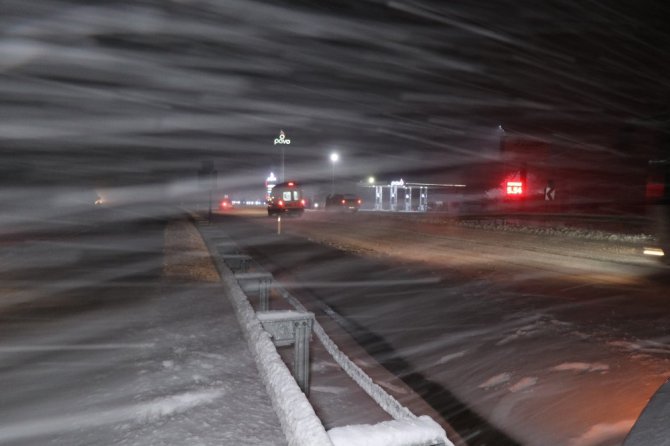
(360, 201)
(302, 202)
(281, 203)
(344, 201)
(334, 157)
(371, 180)
(291, 184)
(514, 188)
(316, 205)
(658, 252)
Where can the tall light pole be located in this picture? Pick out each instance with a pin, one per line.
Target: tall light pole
(334, 158)
(282, 140)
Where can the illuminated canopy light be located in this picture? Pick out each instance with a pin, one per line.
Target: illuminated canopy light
(334, 157)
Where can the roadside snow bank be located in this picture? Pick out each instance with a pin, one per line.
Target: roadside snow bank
(573, 232)
(418, 431)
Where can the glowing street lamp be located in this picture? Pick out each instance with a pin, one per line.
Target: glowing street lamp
(334, 158)
(371, 180)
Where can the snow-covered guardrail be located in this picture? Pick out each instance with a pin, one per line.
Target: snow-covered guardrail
(300, 424)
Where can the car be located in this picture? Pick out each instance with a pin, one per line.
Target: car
(343, 202)
(225, 204)
(286, 198)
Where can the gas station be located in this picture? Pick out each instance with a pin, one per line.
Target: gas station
(407, 188)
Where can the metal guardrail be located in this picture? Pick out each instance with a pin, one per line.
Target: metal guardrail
(294, 328)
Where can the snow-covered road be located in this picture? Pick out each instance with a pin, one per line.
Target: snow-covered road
(554, 340)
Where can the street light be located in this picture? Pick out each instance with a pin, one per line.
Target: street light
(371, 180)
(334, 158)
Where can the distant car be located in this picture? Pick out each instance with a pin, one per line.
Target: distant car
(225, 204)
(286, 198)
(343, 202)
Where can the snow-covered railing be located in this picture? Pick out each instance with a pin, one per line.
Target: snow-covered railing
(299, 422)
(406, 429)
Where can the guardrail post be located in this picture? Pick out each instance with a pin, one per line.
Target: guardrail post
(227, 247)
(291, 328)
(303, 330)
(264, 284)
(237, 262)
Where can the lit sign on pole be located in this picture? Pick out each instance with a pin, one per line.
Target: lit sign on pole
(270, 182)
(282, 138)
(514, 188)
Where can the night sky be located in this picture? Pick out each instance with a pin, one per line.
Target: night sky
(128, 92)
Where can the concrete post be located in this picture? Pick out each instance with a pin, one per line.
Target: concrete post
(379, 198)
(408, 199)
(394, 198)
(423, 198)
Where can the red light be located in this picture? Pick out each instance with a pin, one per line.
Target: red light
(514, 188)
(291, 184)
(302, 202)
(344, 201)
(281, 203)
(360, 201)
(655, 190)
(224, 204)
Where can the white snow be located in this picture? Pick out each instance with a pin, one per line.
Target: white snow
(409, 432)
(581, 367)
(446, 358)
(601, 433)
(523, 384)
(144, 412)
(496, 380)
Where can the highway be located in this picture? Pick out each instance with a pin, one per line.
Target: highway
(515, 338)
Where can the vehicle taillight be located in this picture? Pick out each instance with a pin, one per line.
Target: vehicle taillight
(281, 203)
(344, 201)
(291, 184)
(655, 191)
(302, 202)
(224, 204)
(360, 201)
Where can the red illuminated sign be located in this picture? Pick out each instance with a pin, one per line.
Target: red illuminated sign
(514, 188)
